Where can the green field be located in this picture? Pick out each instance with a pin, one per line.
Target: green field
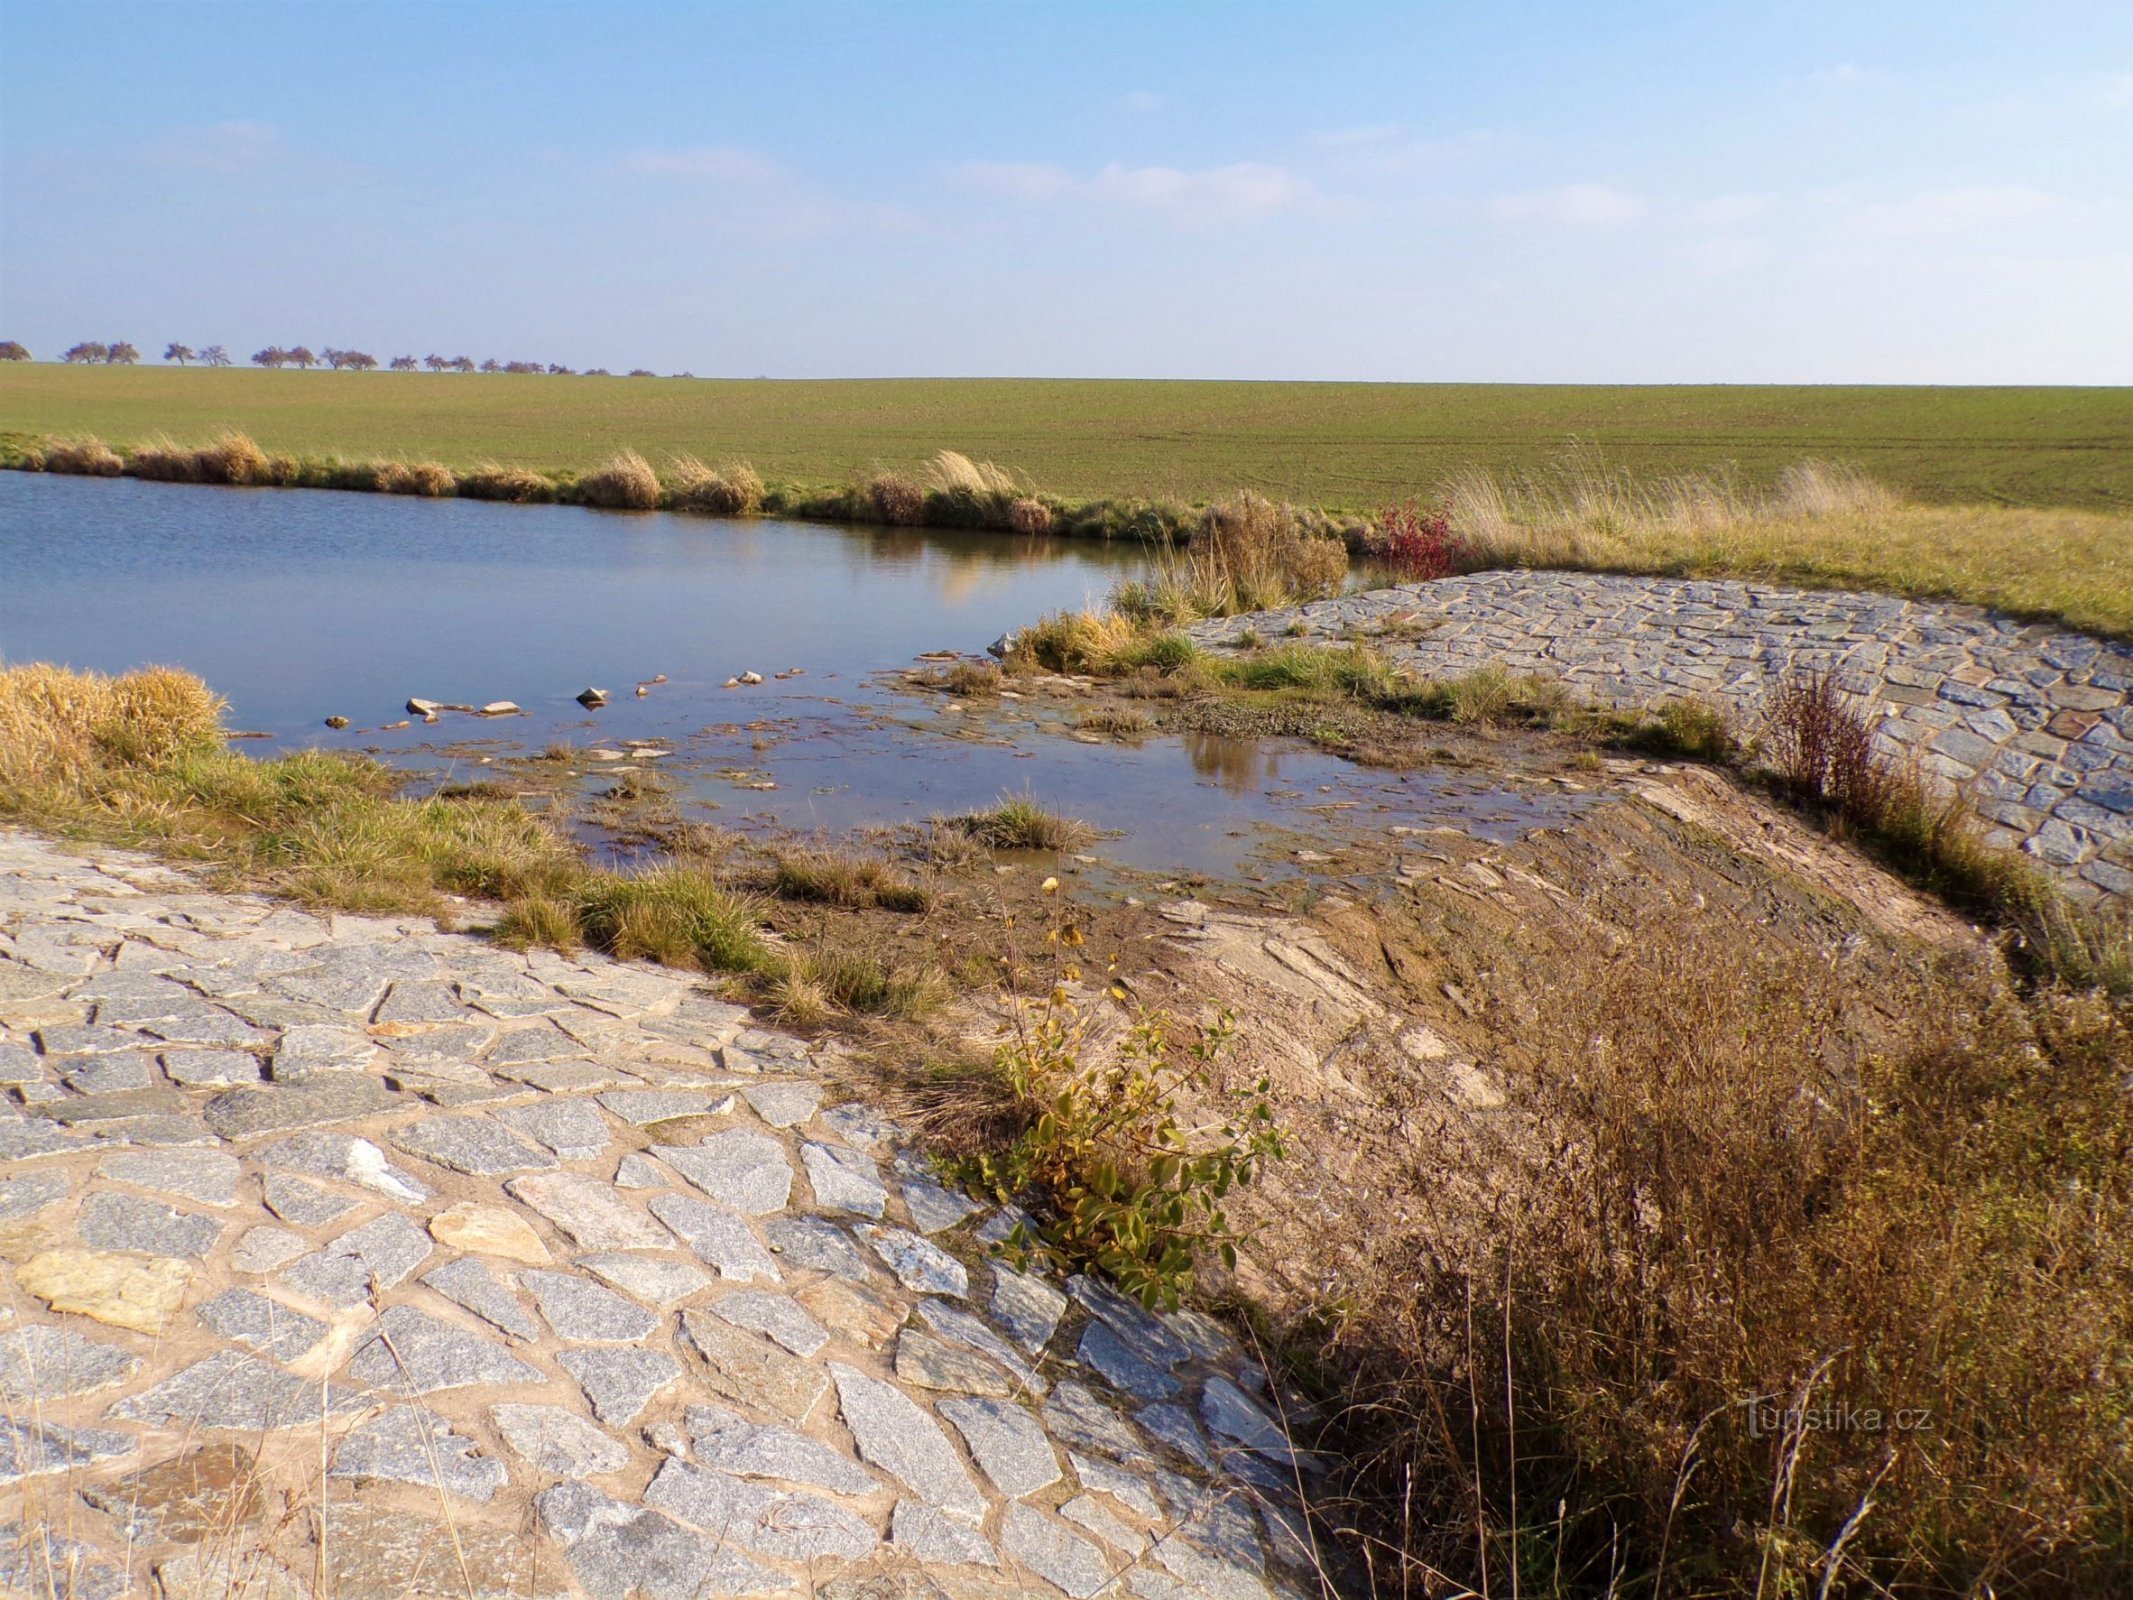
(1343, 446)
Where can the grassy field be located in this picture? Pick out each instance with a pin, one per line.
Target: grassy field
(1340, 446)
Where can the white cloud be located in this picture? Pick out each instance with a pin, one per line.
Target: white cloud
(718, 163)
(1578, 203)
(1941, 212)
(1242, 191)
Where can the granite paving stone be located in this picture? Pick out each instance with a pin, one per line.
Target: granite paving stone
(109, 1220)
(729, 1442)
(655, 1280)
(1027, 1306)
(719, 1238)
(898, 1437)
(751, 1370)
(1102, 1349)
(818, 1244)
(783, 1102)
(1054, 1552)
(584, 1312)
(231, 1389)
(776, 1317)
(924, 1362)
(44, 1363)
(926, 1535)
(934, 1209)
(262, 1325)
(470, 1283)
(619, 1384)
(738, 1168)
(208, 1176)
(844, 1180)
(556, 1440)
(1006, 1442)
(30, 1448)
(920, 1265)
(410, 1445)
(381, 1253)
(787, 1525)
(412, 1352)
(476, 1146)
(347, 1158)
(303, 1203)
(573, 1129)
(588, 1212)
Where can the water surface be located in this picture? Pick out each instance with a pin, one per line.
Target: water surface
(299, 605)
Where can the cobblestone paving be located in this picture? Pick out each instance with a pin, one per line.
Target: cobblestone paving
(2035, 724)
(563, 1277)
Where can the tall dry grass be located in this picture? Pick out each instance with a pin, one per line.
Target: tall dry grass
(735, 489)
(87, 456)
(1250, 554)
(624, 482)
(1782, 1277)
(513, 485)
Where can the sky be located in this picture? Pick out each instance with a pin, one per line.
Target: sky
(1522, 191)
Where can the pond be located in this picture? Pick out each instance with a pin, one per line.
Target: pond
(300, 605)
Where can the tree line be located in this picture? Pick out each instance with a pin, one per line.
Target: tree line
(120, 353)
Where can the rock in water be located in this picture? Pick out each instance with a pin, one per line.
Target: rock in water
(751, 677)
(500, 708)
(336, 722)
(590, 698)
(419, 707)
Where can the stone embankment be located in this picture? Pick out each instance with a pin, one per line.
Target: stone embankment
(350, 1257)
(2034, 724)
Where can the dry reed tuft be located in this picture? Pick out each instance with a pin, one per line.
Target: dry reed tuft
(1029, 516)
(87, 457)
(515, 485)
(896, 499)
(427, 478)
(1249, 554)
(625, 482)
(56, 725)
(735, 489)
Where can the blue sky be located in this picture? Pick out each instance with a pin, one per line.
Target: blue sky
(1875, 191)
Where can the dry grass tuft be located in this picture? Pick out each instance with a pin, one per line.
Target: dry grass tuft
(897, 499)
(516, 485)
(733, 490)
(87, 457)
(58, 726)
(625, 482)
(1028, 515)
(427, 478)
(1250, 554)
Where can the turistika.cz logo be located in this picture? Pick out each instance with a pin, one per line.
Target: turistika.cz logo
(1769, 1417)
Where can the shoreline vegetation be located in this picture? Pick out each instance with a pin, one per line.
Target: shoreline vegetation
(1818, 524)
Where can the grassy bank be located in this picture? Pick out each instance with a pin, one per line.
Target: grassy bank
(1347, 447)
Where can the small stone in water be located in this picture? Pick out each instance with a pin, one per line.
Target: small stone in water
(336, 722)
(500, 708)
(590, 698)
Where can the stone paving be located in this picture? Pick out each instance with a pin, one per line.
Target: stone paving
(2033, 723)
(536, 1277)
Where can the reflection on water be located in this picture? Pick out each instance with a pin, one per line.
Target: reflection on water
(304, 605)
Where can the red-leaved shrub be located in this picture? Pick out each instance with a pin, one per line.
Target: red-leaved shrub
(1419, 543)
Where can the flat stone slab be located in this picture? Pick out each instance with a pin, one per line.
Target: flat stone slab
(844, 1180)
(739, 1169)
(1053, 1551)
(208, 1176)
(386, 1553)
(233, 1390)
(556, 1440)
(470, 1283)
(776, 1317)
(412, 1352)
(381, 1253)
(120, 1289)
(489, 1231)
(41, 1363)
(818, 1244)
(588, 1212)
(574, 1130)
(920, 1265)
(718, 1237)
(473, 1145)
(1028, 1307)
(410, 1445)
(783, 1103)
(302, 1203)
(347, 1158)
(619, 1384)
(1007, 1443)
(786, 1525)
(243, 1113)
(896, 1436)
(29, 1449)
(751, 1370)
(728, 1442)
(655, 1280)
(21, 1196)
(116, 1221)
(262, 1325)
(584, 1312)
